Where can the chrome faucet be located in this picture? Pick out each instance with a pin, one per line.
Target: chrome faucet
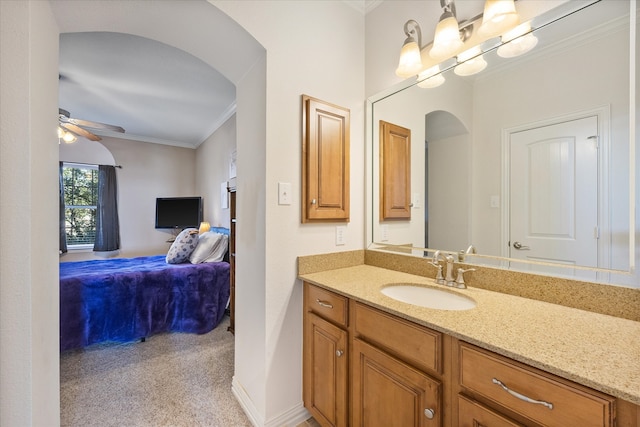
(448, 280)
(470, 250)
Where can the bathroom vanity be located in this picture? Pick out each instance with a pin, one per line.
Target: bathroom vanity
(370, 360)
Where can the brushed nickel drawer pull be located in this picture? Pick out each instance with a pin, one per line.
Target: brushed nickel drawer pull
(522, 396)
(324, 304)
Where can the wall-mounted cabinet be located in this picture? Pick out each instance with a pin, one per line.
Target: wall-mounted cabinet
(325, 161)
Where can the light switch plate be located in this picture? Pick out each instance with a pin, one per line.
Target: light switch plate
(284, 193)
(494, 201)
(341, 238)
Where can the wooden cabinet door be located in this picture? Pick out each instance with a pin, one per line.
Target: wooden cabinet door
(387, 392)
(395, 171)
(325, 366)
(325, 161)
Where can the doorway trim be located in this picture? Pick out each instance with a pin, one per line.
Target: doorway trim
(603, 114)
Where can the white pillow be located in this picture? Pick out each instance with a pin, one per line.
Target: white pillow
(183, 246)
(211, 248)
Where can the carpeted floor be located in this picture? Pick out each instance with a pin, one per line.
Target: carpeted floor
(169, 380)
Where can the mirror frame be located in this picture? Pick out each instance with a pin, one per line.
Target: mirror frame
(619, 277)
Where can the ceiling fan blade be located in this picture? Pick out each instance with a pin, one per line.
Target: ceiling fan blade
(95, 125)
(79, 131)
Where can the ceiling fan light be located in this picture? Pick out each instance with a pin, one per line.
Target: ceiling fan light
(499, 16)
(69, 138)
(446, 41)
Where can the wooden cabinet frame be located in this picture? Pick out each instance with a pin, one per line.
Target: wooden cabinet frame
(325, 161)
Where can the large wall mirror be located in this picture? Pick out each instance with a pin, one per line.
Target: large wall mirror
(529, 161)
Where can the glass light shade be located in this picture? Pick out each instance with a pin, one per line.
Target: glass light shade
(470, 62)
(430, 78)
(446, 41)
(69, 138)
(515, 43)
(204, 227)
(410, 61)
(499, 16)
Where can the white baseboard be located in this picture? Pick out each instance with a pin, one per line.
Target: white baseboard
(246, 403)
(290, 418)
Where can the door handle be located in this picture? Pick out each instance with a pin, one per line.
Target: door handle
(520, 246)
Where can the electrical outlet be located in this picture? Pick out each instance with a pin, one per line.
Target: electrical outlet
(494, 201)
(385, 232)
(341, 232)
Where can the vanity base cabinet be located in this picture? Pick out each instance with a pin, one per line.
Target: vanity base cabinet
(325, 357)
(365, 367)
(387, 392)
(531, 395)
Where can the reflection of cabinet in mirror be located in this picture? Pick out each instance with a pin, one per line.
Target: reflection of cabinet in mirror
(395, 171)
(325, 161)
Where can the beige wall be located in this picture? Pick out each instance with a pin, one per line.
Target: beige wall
(148, 171)
(212, 169)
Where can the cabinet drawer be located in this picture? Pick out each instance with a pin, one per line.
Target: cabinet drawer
(551, 401)
(415, 344)
(329, 305)
(473, 414)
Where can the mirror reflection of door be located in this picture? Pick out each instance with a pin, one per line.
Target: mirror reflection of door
(553, 193)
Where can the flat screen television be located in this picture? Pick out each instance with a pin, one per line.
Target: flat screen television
(178, 212)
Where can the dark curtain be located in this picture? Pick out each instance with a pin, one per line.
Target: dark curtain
(63, 234)
(107, 224)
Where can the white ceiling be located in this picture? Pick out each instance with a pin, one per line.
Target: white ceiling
(156, 92)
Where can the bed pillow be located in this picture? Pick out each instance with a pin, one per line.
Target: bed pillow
(211, 248)
(183, 246)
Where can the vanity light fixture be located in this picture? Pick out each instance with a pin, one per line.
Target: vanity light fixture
(517, 41)
(430, 78)
(448, 39)
(498, 16)
(410, 62)
(463, 41)
(470, 62)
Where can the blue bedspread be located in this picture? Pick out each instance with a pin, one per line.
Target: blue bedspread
(125, 299)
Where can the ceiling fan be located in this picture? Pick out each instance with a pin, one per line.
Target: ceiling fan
(69, 128)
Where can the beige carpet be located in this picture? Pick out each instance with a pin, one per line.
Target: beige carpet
(169, 380)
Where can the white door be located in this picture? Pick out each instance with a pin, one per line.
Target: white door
(553, 193)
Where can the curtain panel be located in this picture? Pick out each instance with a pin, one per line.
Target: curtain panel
(61, 217)
(107, 223)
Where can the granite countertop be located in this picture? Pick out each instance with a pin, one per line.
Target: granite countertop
(596, 350)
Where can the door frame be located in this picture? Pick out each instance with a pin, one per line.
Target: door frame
(603, 114)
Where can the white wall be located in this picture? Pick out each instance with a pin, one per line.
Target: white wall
(212, 169)
(29, 372)
(313, 48)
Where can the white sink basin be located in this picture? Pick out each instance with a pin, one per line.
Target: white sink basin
(423, 296)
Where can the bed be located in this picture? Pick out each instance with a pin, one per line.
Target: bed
(127, 299)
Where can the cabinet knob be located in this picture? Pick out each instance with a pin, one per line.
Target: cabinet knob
(339, 353)
(313, 201)
(429, 413)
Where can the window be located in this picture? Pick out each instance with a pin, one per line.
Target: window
(80, 199)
